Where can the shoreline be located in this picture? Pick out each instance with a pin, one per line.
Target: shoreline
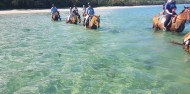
(27, 11)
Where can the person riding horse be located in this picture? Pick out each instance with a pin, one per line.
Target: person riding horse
(54, 11)
(84, 10)
(75, 10)
(170, 8)
(90, 13)
(176, 25)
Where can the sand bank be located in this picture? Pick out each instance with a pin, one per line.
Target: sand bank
(21, 11)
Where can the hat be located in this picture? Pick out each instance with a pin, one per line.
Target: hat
(89, 3)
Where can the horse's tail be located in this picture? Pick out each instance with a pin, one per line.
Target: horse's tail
(177, 43)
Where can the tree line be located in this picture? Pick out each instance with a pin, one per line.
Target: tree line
(40, 4)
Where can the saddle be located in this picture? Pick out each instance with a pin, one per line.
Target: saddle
(162, 18)
(88, 21)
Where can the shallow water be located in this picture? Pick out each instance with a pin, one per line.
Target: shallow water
(124, 56)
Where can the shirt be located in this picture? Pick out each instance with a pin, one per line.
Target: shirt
(169, 6)
(75, 8)
(53, 10)
(90, 11)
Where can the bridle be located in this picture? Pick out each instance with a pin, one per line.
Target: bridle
(187, 16)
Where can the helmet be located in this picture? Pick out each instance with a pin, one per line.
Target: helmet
(89, 3)
(53, 5)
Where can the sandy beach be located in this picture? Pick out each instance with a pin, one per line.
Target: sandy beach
(21, 11)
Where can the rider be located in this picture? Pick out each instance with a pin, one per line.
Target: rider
(169, 12)
(54, 10)
(90, 12)
(84, 9)
(163, 8)
(75, 9)
(70, 14)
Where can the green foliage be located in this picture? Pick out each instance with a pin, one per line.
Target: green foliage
(25, 4)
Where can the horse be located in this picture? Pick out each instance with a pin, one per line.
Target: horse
(177, 24)
(94, 23)
(185, 43)
(56, 16)
(74, 19)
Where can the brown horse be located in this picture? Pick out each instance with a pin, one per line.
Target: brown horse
(74, 19)
(94, 23)
(177, 24)
(56, 16)
(186, 42)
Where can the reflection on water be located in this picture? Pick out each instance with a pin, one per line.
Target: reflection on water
(124, 56)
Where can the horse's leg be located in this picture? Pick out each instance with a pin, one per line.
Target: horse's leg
(155, 23)
(59, 17)
(75, 19)
(72, 20)
(79, 18)
(53, 17)
(180, 28)
(69, 19)
(155, 26)
(86, 21)
(83, 22)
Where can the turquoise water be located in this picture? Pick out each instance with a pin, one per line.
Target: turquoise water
(124, 56)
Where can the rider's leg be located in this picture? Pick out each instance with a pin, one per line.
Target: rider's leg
(168, 18)
(68, 18)
(84, 21)
(79, 17)
(87, 17)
